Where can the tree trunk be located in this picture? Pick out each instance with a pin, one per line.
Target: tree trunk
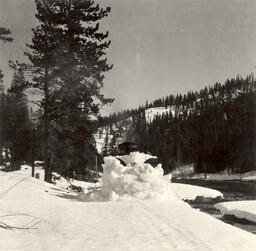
(1, 129)
(47, 164)
(33, 153)
(204, 168)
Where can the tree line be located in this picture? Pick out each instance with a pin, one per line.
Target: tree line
(214, 128)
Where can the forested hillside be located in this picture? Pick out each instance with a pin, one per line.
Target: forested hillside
(213, 128)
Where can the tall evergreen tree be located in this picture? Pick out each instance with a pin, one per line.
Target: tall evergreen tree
(68, 55)
(5, 34)
(18, 125)
(2, 98)
(5, 37)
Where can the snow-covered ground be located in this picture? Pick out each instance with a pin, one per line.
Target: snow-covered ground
(217, 176)
(35, 215)
(54, 219)
(60, 182)
(189, 192)
(187, 172)
(240, 209)
(250, 176)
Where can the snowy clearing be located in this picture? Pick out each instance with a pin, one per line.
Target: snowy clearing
(58, 220)
(148, 214)
(240, 209)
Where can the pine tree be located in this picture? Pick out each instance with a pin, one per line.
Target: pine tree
(5, 34)
(5, 37)
(69, 64)
(2, 124)
(18, 123)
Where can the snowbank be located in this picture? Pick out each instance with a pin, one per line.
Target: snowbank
(240, 209)
(187, 172)
(217, 176)
(137, 180)
(66, 184)
(250, 176)
(189, 192)
(183, 172)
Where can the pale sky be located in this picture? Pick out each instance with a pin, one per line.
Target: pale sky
(159, 47)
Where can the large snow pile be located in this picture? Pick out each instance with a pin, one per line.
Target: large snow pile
(137, 180)
(240, 209)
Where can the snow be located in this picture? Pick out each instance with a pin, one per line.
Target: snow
(26, 169)
(59, 181)
(217, 176)
(189, 192)
(136, 180)
(225, 176)
(240, 209)
(65, 184)
(35, 215)
(151, 113)
(100, 139)
(250, 176)
(63, 222)
(183, 172)
(135, 158)
(187, 172)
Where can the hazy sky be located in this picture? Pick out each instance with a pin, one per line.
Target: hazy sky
(159, 47)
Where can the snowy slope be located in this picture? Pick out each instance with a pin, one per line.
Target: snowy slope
(58, 220)
(151, 113)
(240, 209)
(130, 225)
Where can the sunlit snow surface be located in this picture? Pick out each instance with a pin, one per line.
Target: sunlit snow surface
(240, 209)
(136, 180)
(189, 192)
(38, 216)
(250, 176)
